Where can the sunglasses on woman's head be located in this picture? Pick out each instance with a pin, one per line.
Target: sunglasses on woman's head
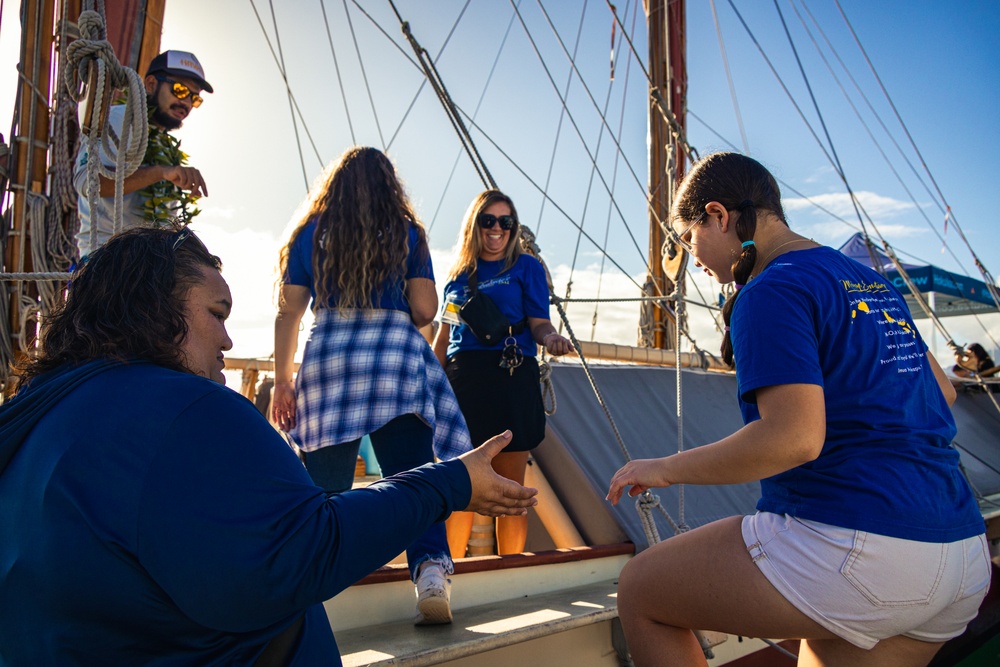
(181, 91)
(487, 220)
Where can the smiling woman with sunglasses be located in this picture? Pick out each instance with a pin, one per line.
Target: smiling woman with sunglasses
(497, 381)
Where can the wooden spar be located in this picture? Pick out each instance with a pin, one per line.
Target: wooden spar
(592, 350)
(29, 154)
(667, 71)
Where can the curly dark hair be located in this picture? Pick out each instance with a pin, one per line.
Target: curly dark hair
(126, 302)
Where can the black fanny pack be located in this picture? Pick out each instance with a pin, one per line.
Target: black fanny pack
(484, 319)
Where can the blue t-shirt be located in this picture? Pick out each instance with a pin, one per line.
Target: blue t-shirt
(179, 528)
(519, 293)
(393, 296)
(818, 317)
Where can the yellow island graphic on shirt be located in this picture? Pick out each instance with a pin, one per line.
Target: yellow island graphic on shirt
(876, 300)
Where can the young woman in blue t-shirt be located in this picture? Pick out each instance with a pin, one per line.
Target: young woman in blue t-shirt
(867, 543)
(360, 256)
(497, 382)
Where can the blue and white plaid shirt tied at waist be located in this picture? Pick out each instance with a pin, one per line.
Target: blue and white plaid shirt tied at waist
(360, 371)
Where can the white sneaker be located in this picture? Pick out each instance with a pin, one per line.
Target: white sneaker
(433, 595)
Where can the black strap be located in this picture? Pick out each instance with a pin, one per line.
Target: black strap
(474, 289)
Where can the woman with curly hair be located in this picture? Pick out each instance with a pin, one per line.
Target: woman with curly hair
(360, 256)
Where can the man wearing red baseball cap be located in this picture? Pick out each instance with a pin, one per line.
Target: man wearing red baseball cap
(164, 186)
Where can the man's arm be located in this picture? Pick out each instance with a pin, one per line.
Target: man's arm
(186, 178)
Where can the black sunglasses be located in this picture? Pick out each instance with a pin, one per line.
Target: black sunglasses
(487, 220)
(181, 91)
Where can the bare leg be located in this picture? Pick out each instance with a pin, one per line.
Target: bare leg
(459, 527)
(705, 580)
(892, 652)
(512, 531)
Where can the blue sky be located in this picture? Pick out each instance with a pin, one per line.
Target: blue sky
(938, 62)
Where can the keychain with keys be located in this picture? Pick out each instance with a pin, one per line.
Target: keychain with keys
(511, 357)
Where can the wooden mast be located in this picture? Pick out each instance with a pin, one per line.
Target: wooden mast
(668, 74)
(134, 27)
(29, 158)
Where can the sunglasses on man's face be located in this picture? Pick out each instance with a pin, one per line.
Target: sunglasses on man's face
(181, 91)
(487, 220)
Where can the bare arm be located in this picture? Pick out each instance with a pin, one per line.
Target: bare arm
(546, 335)
(946, 386)
(441, 342)
(422, 297)
(186, 178)
(791, 431)
(292, 303)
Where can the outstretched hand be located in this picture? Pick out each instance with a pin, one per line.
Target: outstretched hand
(493, 495)
(641, 475)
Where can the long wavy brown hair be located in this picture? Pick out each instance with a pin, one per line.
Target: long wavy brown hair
(472, 242)
(362, 216)
(743, 186)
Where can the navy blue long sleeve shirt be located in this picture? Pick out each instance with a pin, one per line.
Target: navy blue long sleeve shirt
(155, 517)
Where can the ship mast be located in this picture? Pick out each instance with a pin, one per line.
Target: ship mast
(133, 28)
(665, 20)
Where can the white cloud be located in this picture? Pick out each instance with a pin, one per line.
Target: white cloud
(877, 206)
(249, 265)
(820, 175)
(216, 212)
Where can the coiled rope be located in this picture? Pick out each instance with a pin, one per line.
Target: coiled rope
(93, 71)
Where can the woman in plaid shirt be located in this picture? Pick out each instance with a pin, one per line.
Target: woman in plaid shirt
(360, 257)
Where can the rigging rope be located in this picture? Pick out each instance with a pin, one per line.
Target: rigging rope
(430, 71)
(576, 127)
(668, 116)
(364, 74)
(94, 70)
(475, 114)
(873, 139)
(859, 209)
(885, 157)
(63, 220)
(291, 95)
(987, 276)
(729, 79)
(555, 140)
(288, 93)
(420, 88)
(614, 177)
(336, 67)
(647, 499)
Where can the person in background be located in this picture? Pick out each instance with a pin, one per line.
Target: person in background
(847, 428)
(162, 187)
(497, 382)
(151, 516)
(974, 360)
(360, 257)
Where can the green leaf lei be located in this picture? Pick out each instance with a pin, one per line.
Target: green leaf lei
(163, 200)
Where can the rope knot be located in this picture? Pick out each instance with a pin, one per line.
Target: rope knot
(647, 501)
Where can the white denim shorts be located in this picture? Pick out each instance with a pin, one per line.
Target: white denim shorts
(865, 587)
